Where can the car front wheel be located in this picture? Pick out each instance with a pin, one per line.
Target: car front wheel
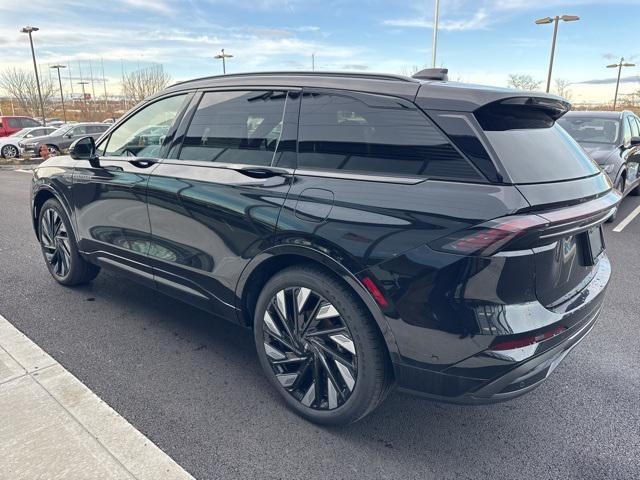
(59, 247)
(9, 151)
(319, 347)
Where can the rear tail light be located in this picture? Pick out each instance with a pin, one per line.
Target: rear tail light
(526, 341)
(492, 236)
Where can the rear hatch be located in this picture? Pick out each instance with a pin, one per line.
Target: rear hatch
(562, 185)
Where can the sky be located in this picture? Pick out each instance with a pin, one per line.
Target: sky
(480, 41)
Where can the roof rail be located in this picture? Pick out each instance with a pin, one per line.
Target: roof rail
(371, 76)
(432, 74)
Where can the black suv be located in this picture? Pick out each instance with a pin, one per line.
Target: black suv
(372, 230)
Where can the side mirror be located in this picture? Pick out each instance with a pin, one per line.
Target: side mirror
(84, 149)
(635, 141)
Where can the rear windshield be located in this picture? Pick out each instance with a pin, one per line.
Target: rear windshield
(536, 155)
(592, 129)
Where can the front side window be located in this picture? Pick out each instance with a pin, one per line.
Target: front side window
(241, 127)
(373, 134)
(79, 131)
(143, 134)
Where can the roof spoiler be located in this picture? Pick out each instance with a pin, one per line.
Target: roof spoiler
(432, 74)
(527, 111)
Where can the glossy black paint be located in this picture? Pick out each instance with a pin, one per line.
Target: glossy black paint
(211, 233)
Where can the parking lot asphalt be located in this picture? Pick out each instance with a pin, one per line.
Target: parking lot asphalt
(193, 385)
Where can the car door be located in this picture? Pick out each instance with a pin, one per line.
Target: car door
(110, 195)
(214, 202)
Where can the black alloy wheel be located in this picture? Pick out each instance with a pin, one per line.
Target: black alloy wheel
(319, 346)
(59, 248)
(309, 348)
(54, 238)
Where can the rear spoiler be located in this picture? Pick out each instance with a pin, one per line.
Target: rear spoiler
(521, 112)
(466, 97)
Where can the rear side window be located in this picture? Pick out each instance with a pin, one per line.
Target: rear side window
(241, 127)
(377, 135)
(535, 155)
(27, 123)
(15, 123)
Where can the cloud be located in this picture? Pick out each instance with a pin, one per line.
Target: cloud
(476, 22)
(608, 81)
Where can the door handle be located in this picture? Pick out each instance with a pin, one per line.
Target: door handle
(143, 162)
(261, 172)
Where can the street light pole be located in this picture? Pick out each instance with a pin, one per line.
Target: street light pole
(223, 56)
(64, 111)
(435, 33)
(555, 20)
(84, 95)
(619, 66)
(30, 30)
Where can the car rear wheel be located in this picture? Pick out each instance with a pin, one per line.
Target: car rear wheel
(9, 151)
(59, 247)
(620, 186)
(53, 150)
(319, 347)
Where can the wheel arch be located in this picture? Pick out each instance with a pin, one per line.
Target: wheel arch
(44, 193)
(264, 265)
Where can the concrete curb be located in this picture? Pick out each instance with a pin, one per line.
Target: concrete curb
(52, 426)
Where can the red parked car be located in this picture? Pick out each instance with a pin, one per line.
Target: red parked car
(11, 124)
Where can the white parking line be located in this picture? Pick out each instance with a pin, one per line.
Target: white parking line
(627, 220)
(54, 426)
(23, 171)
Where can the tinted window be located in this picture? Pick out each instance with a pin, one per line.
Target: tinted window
(15, 123)
(96, 129)
(591, 129)
(143, 133)
(374, 134)
(541, 155)
(77, 131)
(27, 122)
(235, 127)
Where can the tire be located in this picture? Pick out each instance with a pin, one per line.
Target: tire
(9, 151)
(635, 192)
(341, 350)
(54, 151)
(59, 247)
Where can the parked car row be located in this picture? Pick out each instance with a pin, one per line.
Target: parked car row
(26, 142)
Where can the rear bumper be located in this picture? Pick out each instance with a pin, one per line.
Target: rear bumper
(494, 376)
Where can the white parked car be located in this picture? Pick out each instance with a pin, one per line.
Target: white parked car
(9, 145)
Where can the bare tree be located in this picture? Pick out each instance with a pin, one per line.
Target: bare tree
(561, 88)
(139, 84)
(523, 82)
(21, 86)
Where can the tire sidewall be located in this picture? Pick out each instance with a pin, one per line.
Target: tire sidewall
(352, 314)
(53, 204)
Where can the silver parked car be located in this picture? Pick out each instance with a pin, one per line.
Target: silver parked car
(59, 141)
(9, 145)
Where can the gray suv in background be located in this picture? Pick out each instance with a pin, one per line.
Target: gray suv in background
(59, 141)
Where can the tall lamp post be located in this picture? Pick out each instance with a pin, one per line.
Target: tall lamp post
(619, 66)
(30, 30)
(555, 20)
(84, 95)
(223, 56)
(64, 111)
(436, 14)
